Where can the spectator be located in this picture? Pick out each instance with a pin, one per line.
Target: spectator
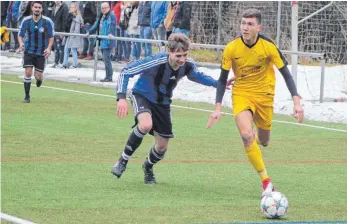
(88, 12)
(11, 21)
(48, 9)
(158, 14)
(169, 19)
(106, 26)
(182, 18)
(124, 23)
(73, 25)
(60, 12)
(24, 11)
(4, 6)
(134, 30)
(118, 49)
(145, 26)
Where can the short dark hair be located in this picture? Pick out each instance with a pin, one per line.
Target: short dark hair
(252, 13)
(38, 2)
(177, 42)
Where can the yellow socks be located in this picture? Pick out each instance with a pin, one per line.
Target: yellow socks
(256, 159)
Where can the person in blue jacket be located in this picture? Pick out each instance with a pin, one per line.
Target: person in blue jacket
(151, 99)
(158, 15)
(106, 26)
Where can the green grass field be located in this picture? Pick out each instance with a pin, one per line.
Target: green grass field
(57, 153)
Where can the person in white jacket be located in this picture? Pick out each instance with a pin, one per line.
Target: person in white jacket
(134, 30)
(74, 22)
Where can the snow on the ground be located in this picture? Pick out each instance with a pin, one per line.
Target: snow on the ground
(308, 87)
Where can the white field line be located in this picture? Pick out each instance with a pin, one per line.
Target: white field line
(14, 219)
(183, 107)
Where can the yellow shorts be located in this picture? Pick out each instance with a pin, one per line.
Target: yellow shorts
(261, 107)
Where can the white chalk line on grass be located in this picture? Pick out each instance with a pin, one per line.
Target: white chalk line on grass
(13, 219)
(189, 108)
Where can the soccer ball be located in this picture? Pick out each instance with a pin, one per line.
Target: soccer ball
(274, 205)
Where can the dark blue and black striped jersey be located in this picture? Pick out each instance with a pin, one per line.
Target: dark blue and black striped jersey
(36, 34)
(157, 79)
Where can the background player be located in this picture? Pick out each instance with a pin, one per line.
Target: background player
(38, 31)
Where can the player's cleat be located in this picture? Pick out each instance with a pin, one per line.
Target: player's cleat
(268, 187)
(38, 83)
(149, 175)
(119, 167)
(26, 99)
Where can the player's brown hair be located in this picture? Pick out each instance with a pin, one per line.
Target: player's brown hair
(178, 42)
(252, 13)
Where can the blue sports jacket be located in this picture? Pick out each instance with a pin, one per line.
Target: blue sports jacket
(158, 13)
(157, 79)
(105, 26)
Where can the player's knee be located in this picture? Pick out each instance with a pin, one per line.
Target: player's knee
(247, 137)
(145, 127)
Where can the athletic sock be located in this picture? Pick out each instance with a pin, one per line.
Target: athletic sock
(27, 84)
(256, 159)
(134, 141)
(153, 157)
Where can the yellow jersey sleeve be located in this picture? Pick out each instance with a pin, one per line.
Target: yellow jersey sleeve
(277, 57)
(227, 57)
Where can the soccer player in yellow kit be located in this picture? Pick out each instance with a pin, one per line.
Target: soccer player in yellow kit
(252, 56)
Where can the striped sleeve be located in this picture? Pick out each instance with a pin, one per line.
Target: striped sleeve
(23, 27)
(199, 77)
(136, 68)
(50, 27)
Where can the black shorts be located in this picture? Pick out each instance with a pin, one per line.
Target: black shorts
(161, 115)
(33, 60)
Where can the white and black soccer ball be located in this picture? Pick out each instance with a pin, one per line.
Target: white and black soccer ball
(274, 205)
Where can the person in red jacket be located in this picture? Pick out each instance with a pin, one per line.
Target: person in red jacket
(118, 50)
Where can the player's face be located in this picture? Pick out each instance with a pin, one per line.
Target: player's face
(37, 9)
(250, 28)
(178, 58)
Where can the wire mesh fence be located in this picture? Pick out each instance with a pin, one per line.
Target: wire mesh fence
(325, 32)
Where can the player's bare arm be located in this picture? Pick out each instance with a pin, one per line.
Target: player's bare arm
(21, 43)
(47, 51)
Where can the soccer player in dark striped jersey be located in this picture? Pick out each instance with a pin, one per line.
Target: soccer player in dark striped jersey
(35, 38)
(151, 99)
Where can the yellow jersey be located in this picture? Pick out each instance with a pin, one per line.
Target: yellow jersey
(253, 65)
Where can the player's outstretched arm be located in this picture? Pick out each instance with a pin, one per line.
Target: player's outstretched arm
(298, 111)
(222, 82)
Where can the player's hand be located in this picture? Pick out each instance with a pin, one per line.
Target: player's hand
(110, 36)
(214, 118)
(230, 82)
(298, 111)
(47, 52)
(122, 108)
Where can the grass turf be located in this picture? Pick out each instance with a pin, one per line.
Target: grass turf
(58, 150)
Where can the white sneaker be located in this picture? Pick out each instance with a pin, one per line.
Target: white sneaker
(72, 66)
(60, 66)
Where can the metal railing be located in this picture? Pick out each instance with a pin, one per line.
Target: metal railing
(320, 56)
